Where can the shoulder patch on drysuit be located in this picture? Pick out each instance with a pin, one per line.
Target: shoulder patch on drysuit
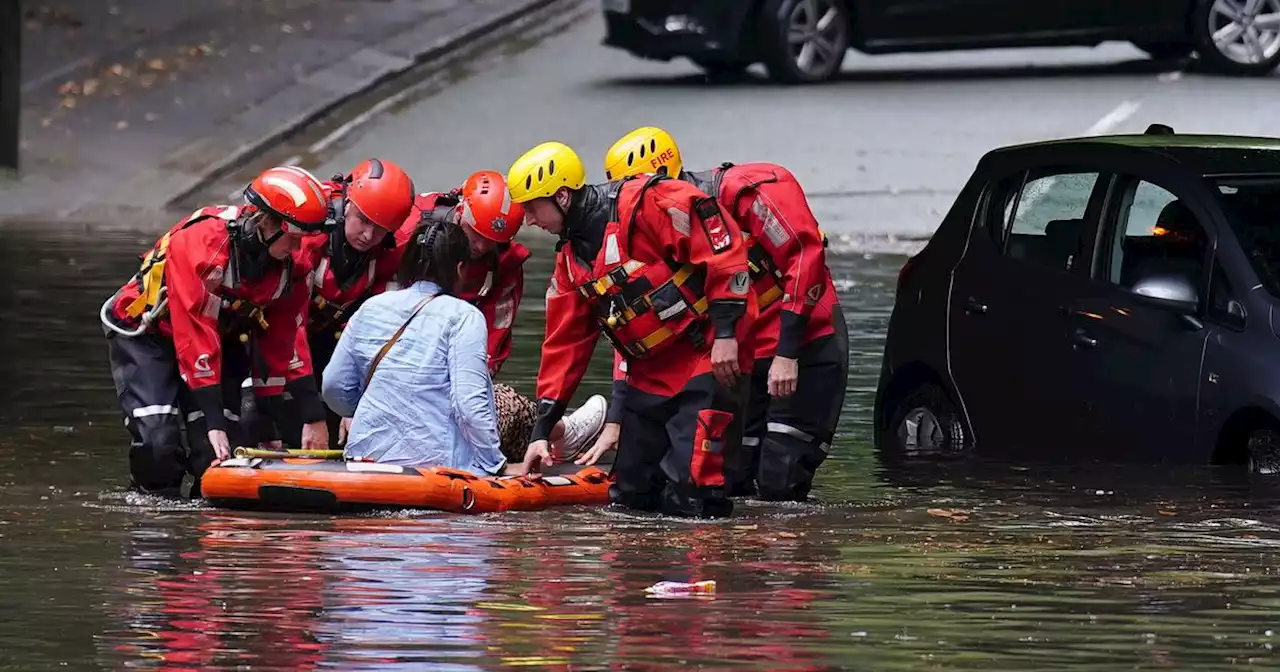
(740, 283)
(708, 212)
(679, 220)
(814, 293)
(773, 229)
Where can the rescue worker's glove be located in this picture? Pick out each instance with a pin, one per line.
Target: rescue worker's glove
(306, 399)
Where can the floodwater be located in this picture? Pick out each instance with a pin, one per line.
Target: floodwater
(991, 566)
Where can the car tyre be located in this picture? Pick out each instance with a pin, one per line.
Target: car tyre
(1166, 51)
(803, 41)
(925, 423)
(1262, 451)
(1233, 45)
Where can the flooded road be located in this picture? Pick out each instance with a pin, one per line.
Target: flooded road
(983, 566)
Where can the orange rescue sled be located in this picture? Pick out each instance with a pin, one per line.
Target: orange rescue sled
(301, 483)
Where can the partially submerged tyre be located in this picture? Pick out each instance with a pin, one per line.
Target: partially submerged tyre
(803, 41)
(1262, 451)
(926, 424)
(1238, 39)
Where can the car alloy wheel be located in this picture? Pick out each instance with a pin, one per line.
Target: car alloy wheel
(1263, 448)
(816, 35)
(921, 432)
(1241, 36)
(803, 41)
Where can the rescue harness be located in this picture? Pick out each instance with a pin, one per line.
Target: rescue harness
(152, 303)
(641, 307)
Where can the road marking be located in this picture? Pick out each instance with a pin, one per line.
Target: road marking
(1114, 118)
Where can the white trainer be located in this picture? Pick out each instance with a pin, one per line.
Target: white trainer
(582, 427)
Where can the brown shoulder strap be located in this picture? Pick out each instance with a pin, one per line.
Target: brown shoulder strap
(392, 341)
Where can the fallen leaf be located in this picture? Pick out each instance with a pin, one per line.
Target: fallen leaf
(1163, 512)
(121, 125)
(156, 64)
(117, 70)
(955, 515)
(69, 88)
(150, 116)
(788, 535)
(46, 122)
(69, 102)
(90, 86)
(286, 28)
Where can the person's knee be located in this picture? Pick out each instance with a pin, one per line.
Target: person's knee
(156, 458)
(787, 466)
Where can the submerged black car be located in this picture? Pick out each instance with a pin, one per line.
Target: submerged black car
(806, 40)
(1102, 298)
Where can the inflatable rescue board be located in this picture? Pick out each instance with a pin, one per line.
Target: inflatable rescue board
(318, 484)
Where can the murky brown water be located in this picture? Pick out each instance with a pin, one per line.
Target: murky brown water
(1046, 568)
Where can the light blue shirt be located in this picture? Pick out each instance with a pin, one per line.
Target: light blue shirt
(430, 402)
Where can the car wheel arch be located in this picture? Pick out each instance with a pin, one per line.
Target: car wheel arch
(906, 379)
(1230, 447)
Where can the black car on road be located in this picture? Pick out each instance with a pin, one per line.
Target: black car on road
(1112, 298)
(806, 40)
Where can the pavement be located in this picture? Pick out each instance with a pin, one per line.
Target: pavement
(130, 105)
(881, 151)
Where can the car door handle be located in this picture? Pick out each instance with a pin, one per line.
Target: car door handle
(972, 306)
(1083, 340)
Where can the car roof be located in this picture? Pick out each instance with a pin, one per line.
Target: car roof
(1204, 154)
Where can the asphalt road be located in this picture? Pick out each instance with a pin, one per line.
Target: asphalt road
(881, 151)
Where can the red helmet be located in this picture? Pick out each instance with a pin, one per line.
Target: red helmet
(293, 195)
(487, 207)
(382, 191)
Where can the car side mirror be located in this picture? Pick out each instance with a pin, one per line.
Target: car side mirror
(1173, 291)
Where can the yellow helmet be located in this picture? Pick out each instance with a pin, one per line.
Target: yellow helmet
(541, 171)
(643, 150)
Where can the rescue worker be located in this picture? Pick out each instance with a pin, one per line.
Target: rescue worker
(217, 299)
(493, 281)
(357, 258)
(655, 265)
(801, 340)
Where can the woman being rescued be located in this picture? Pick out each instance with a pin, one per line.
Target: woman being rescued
(411, 370)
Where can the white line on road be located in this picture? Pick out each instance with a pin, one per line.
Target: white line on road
(1114, 118)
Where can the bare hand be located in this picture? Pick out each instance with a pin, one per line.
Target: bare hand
(537, 454)
(724, 361)
(344, 431)
(315, 435)
(221, 446)
(782, 377)
(607, 440)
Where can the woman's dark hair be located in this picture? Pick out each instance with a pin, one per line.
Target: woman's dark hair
(433, 253)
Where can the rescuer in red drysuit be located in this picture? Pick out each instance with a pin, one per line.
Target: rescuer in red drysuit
(654, 265)
(356, 259)
(493, 280)
(801, 341)
(217, 299)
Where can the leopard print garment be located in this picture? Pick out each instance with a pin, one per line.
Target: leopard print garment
(516, 415)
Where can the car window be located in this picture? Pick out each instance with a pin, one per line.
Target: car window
(1047, 225)
(1252, 206)
(1162, 241)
